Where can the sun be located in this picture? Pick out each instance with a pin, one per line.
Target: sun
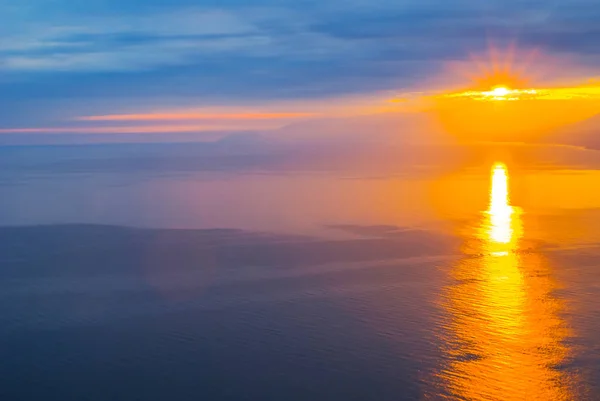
(500, 91)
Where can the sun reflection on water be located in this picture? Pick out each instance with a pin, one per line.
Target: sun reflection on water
(500, 212)
(504, 339)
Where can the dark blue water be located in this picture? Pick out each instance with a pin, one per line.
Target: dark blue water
(263, 285)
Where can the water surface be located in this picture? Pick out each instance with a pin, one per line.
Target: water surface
(477, 283)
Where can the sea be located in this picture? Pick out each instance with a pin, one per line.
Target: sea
(170, 272)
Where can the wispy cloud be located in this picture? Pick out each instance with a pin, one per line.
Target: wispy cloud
(195, 116)
(136, 129)
(123, 43)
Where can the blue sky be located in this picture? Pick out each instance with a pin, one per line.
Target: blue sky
(62, 59)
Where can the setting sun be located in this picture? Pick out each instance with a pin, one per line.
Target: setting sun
(502, 102)
(500, 91)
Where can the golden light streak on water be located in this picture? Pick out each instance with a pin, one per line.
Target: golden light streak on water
(500, 212)
(504, 338)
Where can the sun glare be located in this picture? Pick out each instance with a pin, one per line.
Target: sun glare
(504, 99)
(500, 91)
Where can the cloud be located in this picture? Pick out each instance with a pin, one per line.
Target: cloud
(60, 57)
(194, 116)
(134, 129)
(124, 44)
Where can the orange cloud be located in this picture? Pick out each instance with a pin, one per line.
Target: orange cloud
(193, 116)
(130, 129)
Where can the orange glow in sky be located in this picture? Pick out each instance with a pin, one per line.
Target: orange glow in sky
(503, 99)
(506, 96)
(507, 114)
(514, 114)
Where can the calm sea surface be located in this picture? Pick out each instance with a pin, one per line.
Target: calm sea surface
(477, 283)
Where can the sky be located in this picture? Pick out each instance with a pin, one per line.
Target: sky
(183, 66)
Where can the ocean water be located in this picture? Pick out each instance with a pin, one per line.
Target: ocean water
(150, 279)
